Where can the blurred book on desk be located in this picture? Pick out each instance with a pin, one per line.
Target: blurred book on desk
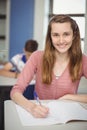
(60, 112)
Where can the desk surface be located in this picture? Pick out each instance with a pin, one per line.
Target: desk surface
(13, 122)
(6, 81)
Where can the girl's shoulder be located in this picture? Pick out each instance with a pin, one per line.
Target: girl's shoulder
(38, 53)
(36, 56)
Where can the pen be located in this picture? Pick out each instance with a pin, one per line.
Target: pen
(37, 98)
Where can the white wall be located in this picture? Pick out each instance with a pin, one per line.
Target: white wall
(41, 21)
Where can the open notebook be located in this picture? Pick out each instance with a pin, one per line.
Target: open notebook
(60, 112)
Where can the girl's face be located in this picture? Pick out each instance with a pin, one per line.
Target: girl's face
(62, 36)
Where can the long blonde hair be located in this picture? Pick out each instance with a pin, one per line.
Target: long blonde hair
(75, 52)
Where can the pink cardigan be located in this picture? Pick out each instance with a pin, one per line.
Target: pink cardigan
(59, 87)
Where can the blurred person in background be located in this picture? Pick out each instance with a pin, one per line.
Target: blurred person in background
(13, 68)
(17, 62)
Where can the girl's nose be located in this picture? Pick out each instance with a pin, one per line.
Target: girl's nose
(61, 39)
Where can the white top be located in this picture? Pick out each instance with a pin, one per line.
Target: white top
(18, 62)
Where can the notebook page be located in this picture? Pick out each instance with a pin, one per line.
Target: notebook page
(28, 120)
(60, 112)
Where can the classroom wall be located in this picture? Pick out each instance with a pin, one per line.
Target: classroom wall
(41, 20)
(21, 24)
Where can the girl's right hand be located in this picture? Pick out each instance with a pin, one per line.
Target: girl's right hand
(39, 111)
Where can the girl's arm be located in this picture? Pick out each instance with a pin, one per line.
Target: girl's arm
(75, 97)
(35, 109)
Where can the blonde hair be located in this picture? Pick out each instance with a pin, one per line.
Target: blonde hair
(75, 52)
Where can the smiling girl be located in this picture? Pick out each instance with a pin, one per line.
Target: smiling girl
(58, 68)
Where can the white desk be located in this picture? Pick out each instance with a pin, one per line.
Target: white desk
(12, 121)
(5, 86)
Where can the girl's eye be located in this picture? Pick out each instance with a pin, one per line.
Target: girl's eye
(56, 35)
(66, 34)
